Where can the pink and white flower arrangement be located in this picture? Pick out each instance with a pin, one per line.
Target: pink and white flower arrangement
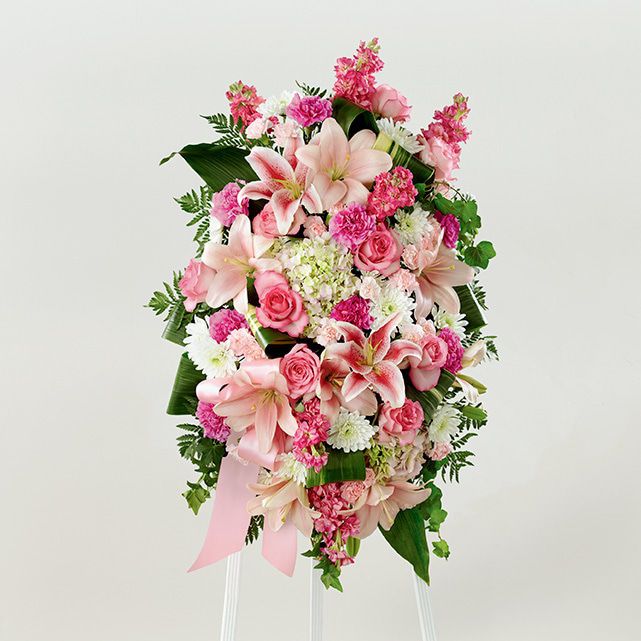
(330, 317)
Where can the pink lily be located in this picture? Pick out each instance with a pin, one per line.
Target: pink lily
(280, 499)
(381, 502)
(374, 361)
(233, 262)
(332, 375)
(437, 280)
(287, 187)
(343, 170)
(257, 397)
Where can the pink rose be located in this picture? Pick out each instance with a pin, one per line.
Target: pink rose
(195, 283)
(425, 373)
(381, 252)
(389, 103)
(438, 154)
(264, 223)
(280, 306)
(301, 369)
(402, 422)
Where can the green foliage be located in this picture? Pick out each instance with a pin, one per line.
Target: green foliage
(441, 549)
(432, 508)
(407, 537)
(331, 572)
(256, 525)
(341, 466)
(163, 301)
(311, 91)
(470, 307)
(196, 496)
(198, 205)
(230, 134)
(183, 395)
(432, 399)
(479, 255)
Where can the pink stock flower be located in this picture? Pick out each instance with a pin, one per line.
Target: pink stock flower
(312, 432)
(393, 190)
(301, 369)
(389, 103)
(280, 500)
(437, 281)
(195, 283)
(214, 426)
(426, 369)
(234, 262)
(333, 373)
(309, 110)
(286, 187)
(451, 228)
(355, 76)
(374, 361)
(225, 205)
(401, 423)
(243, 103)
(354, 310)
(314, 227)
(343, 170)
(257, 396)
(280, 306)
(454, 350)
(351, 225)
(439, 451)
(381, 252)
(223, 322)
(265, 223)
(381, 503)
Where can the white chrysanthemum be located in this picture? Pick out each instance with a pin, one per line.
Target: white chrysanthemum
(391, 300)
(350, 431)
(412, 226)
(400, 135)
(275, 105)
(212, 358)
(443, 318)
(445, 423)
(291, 469)
(215, 230)
(320, 270)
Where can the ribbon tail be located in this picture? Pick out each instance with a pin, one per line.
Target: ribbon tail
(280, 548)
(229, 518)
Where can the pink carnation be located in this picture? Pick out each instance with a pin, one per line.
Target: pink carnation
(404, 279)
(455, 350)
(223, 322)
(314, 227)
(309, 110)
(451, 228)
(195, 283)
(243, 103)
(354, 310)
(225, 206)
(351, 225)
(355, 76)
(439, 451)
(392, 190)
(243, 344)
(214, 426)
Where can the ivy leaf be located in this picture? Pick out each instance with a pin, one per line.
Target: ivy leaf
(479, 255)
(196, 496)
(441, 549)
(432, 509)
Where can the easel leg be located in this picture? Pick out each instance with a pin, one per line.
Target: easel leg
(426, 622)
(230, 604)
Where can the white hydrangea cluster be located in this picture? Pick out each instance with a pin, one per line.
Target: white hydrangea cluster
(320, 270)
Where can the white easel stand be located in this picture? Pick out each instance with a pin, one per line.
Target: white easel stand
(232, 590)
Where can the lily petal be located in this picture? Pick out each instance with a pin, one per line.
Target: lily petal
(365, 164)
(353, 386)
(387, 379)
(270, 167)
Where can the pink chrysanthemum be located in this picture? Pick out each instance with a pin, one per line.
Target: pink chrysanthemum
(223, 322)
(355, 76)
(451, 228)
(334, 525)
(309, 110)
(352, 225)
(214, 426)
(312, 432)
(392, 190)
(354, 310)
(225, 206)
(243, 103)
(454, 350)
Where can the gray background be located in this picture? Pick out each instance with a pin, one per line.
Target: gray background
(95, 538)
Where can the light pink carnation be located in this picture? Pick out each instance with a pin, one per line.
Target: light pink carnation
(351, 226)
(404, 279)
(439, 451)
(243, 344)
(314, 227)
(309, 110)
(438, 154)
(195, 283)
(389, 103)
